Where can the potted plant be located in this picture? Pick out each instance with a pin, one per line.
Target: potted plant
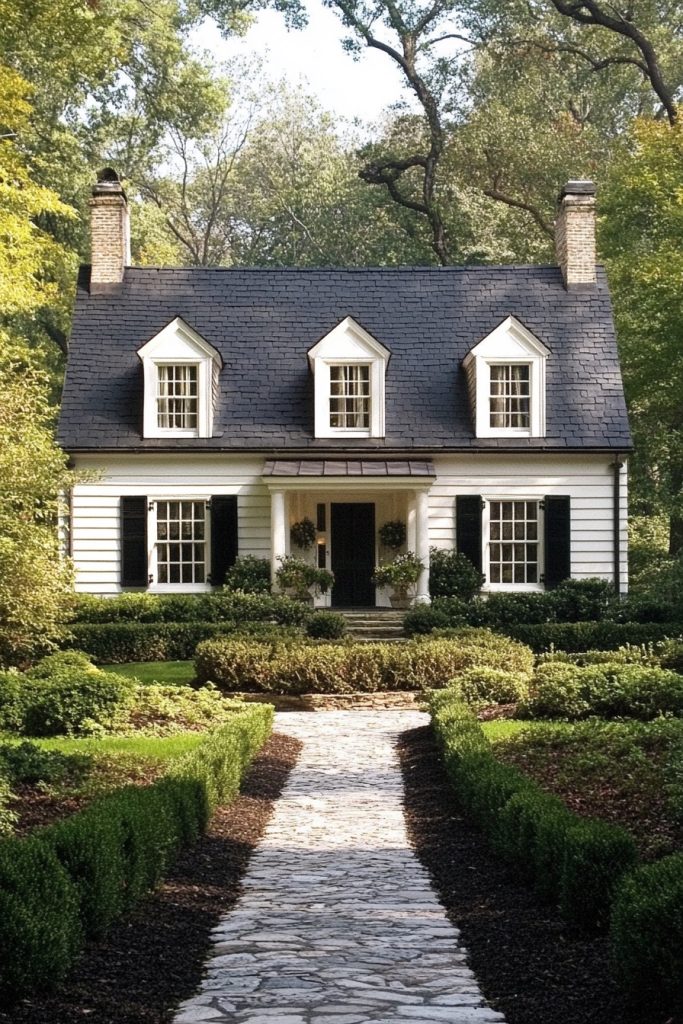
(393, 534)
(301, 580)
(303, 534)
(401, 575)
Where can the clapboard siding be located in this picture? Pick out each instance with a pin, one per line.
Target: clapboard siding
(95, 506)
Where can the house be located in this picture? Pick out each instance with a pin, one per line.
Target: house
(213, 408)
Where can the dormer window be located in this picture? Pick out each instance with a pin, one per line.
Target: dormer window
(506, 382)
(181, 379)
(177, 396)
(349, 369)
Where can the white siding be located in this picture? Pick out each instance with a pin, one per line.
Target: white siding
(95, 529)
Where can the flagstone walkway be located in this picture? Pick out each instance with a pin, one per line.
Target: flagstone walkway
(338, 922)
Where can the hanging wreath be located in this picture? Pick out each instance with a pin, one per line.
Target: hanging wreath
(303, 534)
(393, 534)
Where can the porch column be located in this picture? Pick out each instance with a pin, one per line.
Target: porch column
(411, 532)
(422, 545)
(278, 530)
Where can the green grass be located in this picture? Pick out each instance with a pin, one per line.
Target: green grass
(504, 728)
(148, 748)
(176, 673)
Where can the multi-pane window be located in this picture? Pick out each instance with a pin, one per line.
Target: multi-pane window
(510, 401)
(513, 537)
(350, 397)
(181, 542)
(177, 397)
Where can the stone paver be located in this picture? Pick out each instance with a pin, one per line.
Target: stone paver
(337, 922)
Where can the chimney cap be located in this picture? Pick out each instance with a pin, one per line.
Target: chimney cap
(108, 183)
(578, 188)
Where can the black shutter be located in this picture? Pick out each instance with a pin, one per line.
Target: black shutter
(558, 562)
(223, 536)
(134, 568)
(468, 527)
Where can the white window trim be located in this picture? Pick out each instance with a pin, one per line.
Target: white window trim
(178, 344)
(176, 588)
(511, 588)
(348, 344)
(513, 345)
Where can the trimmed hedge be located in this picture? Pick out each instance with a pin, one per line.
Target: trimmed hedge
(563, 690)
(235, 665)
(115, 643)
(72, 879)
(646, 934)
(216, 606)
(576, 637)
(483, 685)
(326, 626)
(574, 862)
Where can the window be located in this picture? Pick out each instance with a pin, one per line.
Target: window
(349, 369)
(181, 533)
(505, 374)
(513, 542)
(181, 377)
(177, 400)
(350, 397)
(510, 396)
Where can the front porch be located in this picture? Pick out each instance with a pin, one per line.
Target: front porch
(348, 501)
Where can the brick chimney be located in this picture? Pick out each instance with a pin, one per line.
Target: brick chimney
(575, 235)
(110, 232)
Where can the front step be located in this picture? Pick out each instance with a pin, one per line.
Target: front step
(378, 624)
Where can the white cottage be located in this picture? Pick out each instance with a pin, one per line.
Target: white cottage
(212, 409)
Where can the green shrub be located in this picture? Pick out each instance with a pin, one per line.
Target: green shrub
(218, 606)
(249, 574)
(423, 618)
(13, 697)
(596, 856)
(234, 664)
(7, 816)
(75, 701)
(326, 626)
(75, 877)
(40, 931)
(451, 574)
(590, 600)
(565, 690)
(29, 763)
(181, 707)
(646, 934)
(586, 636)
(672, 655)
(114, 643)
(492, 685)
(572, 861)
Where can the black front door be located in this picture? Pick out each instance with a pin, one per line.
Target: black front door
(353, 554)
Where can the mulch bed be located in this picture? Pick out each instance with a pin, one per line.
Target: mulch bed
(153, 958)
(529, 964)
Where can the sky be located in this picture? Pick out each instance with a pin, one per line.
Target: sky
(313, 59)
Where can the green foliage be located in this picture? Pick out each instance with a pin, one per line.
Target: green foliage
(301, 578)
(235, 664)
(451, 574)
(608, 690)
(584, 636)
(303, 534)
(30, 763)
(166, 708)
(553, 847)
(326, 626)
(672, 655)
(74, 878)
(218, 606)
(646, 935)
(7, 816)
(482, 685)
(401, 574)
(392, 534)
(249, 574)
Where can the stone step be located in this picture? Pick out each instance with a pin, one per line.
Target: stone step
(373, 628)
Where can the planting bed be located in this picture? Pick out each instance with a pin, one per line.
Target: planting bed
(529, 963)
(152, 958)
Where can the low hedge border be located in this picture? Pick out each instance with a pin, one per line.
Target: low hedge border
(69, 881)
(115, 643)
(217, 606)
(234, 664)
(575, 863)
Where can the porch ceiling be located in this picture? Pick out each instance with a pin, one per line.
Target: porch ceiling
(417, 469)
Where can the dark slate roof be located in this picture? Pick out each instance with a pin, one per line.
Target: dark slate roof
(264, 321)
(349, 467)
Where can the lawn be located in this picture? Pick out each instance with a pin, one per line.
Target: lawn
(147, 748)
(629, 773)
(176, 673)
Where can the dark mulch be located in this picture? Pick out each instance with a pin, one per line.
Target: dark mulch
(152, 959)
(530, 965)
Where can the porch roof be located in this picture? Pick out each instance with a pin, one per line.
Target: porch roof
(350, 468)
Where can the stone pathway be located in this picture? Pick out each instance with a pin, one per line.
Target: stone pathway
(338, 922)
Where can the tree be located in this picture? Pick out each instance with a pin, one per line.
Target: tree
(34, 582)
(641, 240)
